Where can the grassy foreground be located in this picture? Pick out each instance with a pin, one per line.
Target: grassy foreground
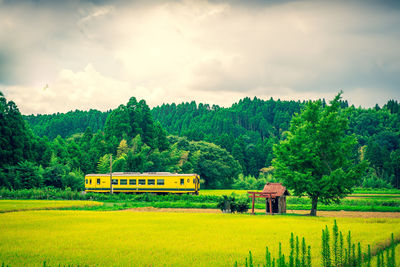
(19, 205)
(180, 239)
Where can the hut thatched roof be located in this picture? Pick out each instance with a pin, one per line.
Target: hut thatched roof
(276, 187)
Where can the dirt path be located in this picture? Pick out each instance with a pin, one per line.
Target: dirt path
(358, 214)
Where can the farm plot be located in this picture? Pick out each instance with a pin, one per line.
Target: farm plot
(172, 239)
(20, 205)
(221, 192)
(365, 202)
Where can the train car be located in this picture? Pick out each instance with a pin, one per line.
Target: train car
(147, 182)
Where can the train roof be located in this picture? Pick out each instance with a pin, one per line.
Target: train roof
(141, 174)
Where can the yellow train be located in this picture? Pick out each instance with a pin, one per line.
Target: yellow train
(147, 182)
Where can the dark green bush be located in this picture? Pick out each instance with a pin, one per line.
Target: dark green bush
(231, 204)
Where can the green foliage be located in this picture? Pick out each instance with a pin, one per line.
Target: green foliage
(27, 175)
(233, 204)
(132, 120)
(249, 182)
(351, 259)
(372, 181)
(16, 140)
(74, 180)
(249, 128)
(66, 124)
(247, 131)
(318, 157)
(55, 193)
(104, 164)
(215, 165)
(296, 258)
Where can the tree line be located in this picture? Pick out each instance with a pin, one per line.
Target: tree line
(130, 135)
(217, 143)
(249, 129)
(66, 124)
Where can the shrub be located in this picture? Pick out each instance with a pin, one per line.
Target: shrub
(375, 182)
(249, 182)
(231, 204)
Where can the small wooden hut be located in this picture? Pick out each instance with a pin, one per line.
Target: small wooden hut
(279, 200)
(275, 198)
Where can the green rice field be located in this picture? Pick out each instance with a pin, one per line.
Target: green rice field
(387, 193)
(20, 205)
(125, 238)
(221, 192)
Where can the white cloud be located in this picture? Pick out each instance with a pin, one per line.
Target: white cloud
(212, 52)
(72, 90)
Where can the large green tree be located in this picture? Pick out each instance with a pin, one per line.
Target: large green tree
(318, 158)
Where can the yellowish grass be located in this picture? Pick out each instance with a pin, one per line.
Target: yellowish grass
(19, 205)
(172, 239)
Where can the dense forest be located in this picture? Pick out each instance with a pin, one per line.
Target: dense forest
(250, 128)
(64, 125)
(228, 147)
(130, 136)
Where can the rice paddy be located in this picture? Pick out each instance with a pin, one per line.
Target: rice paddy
(20, 205)
(221, 192)
(123, 238)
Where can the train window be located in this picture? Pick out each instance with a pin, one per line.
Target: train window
(86, 181)
(142, 181)
(194, 180)
(132, 181)
(90, 181)
(123, 182)
(160, 181)
(114, 181)
(182, 181)
(151, 182)
(98, 181)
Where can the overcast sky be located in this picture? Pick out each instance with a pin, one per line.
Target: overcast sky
(57, 56)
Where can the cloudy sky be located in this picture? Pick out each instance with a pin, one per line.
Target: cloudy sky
(57, 56)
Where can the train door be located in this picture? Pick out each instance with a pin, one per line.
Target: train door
(182, 183)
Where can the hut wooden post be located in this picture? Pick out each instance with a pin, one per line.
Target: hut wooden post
(252, 206)
(270, 205)
(284, 204)
(279, 204)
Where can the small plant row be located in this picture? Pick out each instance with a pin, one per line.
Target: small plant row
(350, 202)
(298, 257)
(334, 253)
(336, 207)
(376, 191)
(52, 193)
